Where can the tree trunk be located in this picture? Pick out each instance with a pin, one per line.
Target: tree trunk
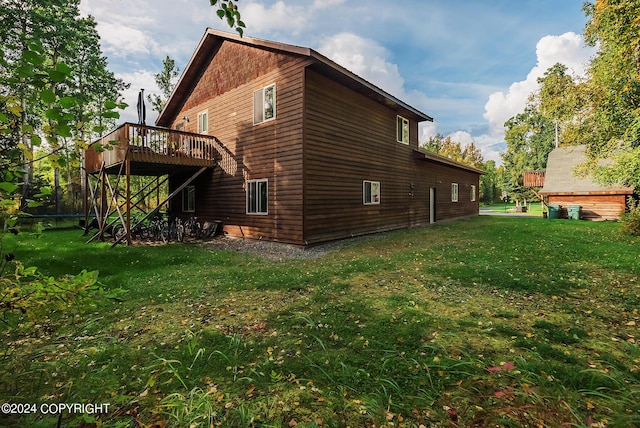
(27, 177)
(56, 181)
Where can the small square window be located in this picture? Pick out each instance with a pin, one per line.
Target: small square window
(402, 129)
(203, 122)
(189, 199)
(264, 104)
(454, 192)
(258, 197)
(371, 192)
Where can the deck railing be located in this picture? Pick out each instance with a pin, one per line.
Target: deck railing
(534, 178)
(142, 139)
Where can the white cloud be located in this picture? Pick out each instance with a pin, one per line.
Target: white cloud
(367, 59)
(426, 130)
(462, 137)
(322, 4)
(491, 147)
(144, 31)
(141, 79)
(277, 17)
(121, 41)
(568, 49)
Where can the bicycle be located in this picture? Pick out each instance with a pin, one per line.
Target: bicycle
(192, 227)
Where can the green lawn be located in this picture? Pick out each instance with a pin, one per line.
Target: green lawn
(487, 322)
(533, 208)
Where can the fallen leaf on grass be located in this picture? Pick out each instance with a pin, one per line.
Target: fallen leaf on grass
(508, 366)
(453, 415)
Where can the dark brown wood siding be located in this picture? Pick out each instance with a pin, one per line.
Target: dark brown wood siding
(431, 174)
(349, 139)
(325, 141)
(271, 150)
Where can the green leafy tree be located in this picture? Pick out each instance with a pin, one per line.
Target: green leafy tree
(25, 290)
(38, 103)
(445, 146)
(45, 40)
(614, 88)
(166, 81)
(491, 182)
(561, 100)
(553, 116)
(530, 137)
(228, 10)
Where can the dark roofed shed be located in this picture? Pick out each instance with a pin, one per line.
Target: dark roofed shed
(562, 186)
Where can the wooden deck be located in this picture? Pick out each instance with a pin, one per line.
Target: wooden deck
(151, 150)
(534, 178)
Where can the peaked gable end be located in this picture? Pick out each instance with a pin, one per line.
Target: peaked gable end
(232, 66)
(242, 59)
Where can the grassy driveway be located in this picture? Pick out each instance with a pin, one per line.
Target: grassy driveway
(487, 322)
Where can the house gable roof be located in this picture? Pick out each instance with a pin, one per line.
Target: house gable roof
(213, 39)
(560, 178)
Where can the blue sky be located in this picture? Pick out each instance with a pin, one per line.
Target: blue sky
(470, 64)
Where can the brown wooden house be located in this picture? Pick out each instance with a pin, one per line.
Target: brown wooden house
(305, 151)
(562, 186)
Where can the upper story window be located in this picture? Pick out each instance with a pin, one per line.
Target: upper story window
(454, 192)
(371, 192)
(264, 104)
(203, 122)
(402, 130)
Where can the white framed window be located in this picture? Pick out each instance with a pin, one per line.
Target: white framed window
(258, 197)
(203, 122)
(264, 104)
(189, 199)
(371, 192)
(454, 192)
(473, 193)
(402, 130)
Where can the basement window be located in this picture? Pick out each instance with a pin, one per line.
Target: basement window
(189, 199)
(371, 192)
(264, 104)
(454, 192)
(258, 197)
(402, 129)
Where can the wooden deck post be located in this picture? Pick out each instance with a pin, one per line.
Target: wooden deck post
(85, 191)
(128, 201)
(103, 203)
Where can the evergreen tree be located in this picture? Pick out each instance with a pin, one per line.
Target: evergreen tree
(166, 81)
